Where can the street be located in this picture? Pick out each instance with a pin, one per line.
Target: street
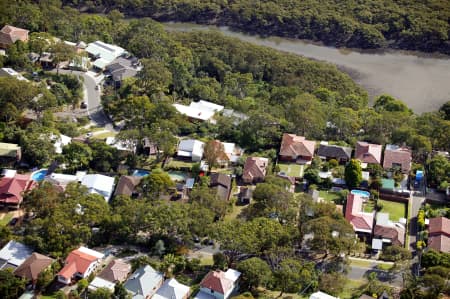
(92, 98)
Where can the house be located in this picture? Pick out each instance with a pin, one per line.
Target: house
(103, 53)
(361, 221)
(396, 157)
(14, 254)
(222, 184)
(100, 283)
(10, 151)
(12, 188)
(61, 180)
(296, 148)
(80, 263)
(121, 145)
(219, 284)
(321, 295)
(290, 180)
(127, 184)
(144, 282)
(33, 266)
(60, 141)
(9, 35)
(255, 169)
(388, 232)
(201, 110)
(99, 184)
(230, 152)
(342, 154)
(172, 289)
(439, 234)
(191, 149)
(116, 271)
(150, 148)
(368, 153)
(122, 68)
(9, 72)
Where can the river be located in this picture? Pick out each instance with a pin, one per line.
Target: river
(421, 81)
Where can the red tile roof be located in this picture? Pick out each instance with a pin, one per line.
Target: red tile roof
(439, 225)
(401, 155)
(389, 233)
(9, 35)
(255, 168)
(439, 243)
(76, 262)
(216, 281)
(11, 189)
(293, 146)
(355, 215)
(368, 152)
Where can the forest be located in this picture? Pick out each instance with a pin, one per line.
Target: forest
(411, 25)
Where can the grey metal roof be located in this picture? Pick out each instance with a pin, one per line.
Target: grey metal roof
(143, 282)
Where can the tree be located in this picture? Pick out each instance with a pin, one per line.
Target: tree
(61, 52)
(77, 155)
(395, 253)
(255, 272)
(154, 77)
(155, 184)
(11, 287)
(213, 152)
(388, 103)
(332, 283)
(331, 234)
(353, 174)
(100, 293)
(438, 170)
(120, 292)
(445, 110)
(295, 276)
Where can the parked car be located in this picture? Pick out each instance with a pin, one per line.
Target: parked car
(83, 105)
(89, 134)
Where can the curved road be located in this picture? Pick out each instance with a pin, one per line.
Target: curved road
(92, 98)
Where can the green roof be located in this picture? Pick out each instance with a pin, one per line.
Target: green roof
(8, 149)
(388, 184)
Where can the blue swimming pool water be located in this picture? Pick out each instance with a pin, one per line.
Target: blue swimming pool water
(39, 175)
(140, 172)
(361, 193)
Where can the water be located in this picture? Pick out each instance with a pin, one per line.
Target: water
(141, 173)
(421, 81)
(177, 176)
(39, 175)
(361, 193)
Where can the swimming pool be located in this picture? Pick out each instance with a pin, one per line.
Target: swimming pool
(141, 172)
(361, 193)
(177, 176)
(38, 176)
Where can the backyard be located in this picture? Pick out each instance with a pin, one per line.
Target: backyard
(292, 169)
(396, 210)
(329, 196)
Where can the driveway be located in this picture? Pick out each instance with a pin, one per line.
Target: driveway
(415, 204)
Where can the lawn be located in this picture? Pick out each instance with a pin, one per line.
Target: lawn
(6, 219)
(178, 164)
(104, 135)
(351, 288)
(292, 169)
(396, 210)
(328, 196)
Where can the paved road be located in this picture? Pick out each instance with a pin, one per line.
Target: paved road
(416, 203)
(92, 98)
